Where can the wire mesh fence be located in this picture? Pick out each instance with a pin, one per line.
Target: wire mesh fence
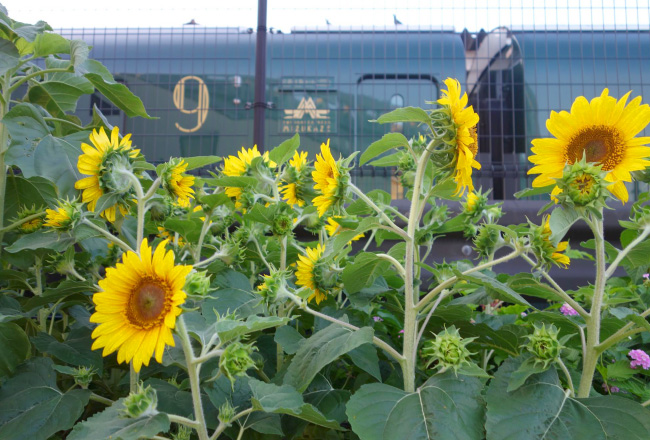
(332, 69)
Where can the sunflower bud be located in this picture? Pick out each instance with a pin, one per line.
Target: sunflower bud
(231, 252)
(159, 208)
(282, 225)
(65, 217)
(448, 349)
(184, 433)
(581, 185)
(226, 413)
(544, 345)
(141, 403)
(197, 283)
(118, 177)
(274, 287)
(236, 359)
(83, 376)
(30, 225)
(474, 203)
(487, 240)
(545, 250)
(63, 264)
(175, 182)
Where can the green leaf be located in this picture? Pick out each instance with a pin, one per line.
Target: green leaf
(391, 160)
(74, 350)
(49, 44)
(406, 114)
(14, 347)
(26, 128)
(285, 150)
(543, 410)
(238, 297)
(78, 52)
(32, 407)
(59, 97)
(494, 288)
(285, 399)
(234, 181)
(117, 93)
(561, 221)
(445, 189)
(56, 159)
(9, 56)
(529, 192)
(111, 424)
(320, 350)
(527, 284)
(42, 240)
(362, 272)
(183, 227)
(21, 192)
(227, 330)
(386, 143)
(214, 200)
(445, 407)
(64, 290)
(289, 339)
(365, 357)
(525, 370)
(200, 161)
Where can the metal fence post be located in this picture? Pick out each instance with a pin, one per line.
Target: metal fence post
(260, 77)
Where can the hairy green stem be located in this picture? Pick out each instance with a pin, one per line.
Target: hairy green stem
(204, 231)
(100, 399)
(22, 79)
(565, 370)
(396, 264)
(133, 378)
(17, 223)
(378, 210)
(183, 421)
(4, 146)
(193, 373)
(593, 320)
(125, 247)
(222, 426)
(622, 254)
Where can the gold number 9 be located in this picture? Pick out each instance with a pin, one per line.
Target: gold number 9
(202, 106)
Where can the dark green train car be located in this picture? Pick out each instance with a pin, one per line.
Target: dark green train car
(329, 83)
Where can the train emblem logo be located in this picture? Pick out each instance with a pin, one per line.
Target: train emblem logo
(306, 118)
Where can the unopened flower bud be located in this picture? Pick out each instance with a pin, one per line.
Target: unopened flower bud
(159, 208)
(226, 413)
(282, 225)
(487, 240)
(143, 402)
(83, 376)
(236, 359)
(449, 349)
(30, 225)
(197, 283)
(544, 344)
(184, 433)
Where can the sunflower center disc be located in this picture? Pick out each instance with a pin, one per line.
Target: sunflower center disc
(599, 144)
(148, 302)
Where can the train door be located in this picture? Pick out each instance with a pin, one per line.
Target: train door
(376, 95)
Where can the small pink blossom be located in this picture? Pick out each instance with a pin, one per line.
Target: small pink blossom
(639, 358)
(377, 319)
(400, 333)
(646, 276)
(611, 389)
(523, 314)
(567, 310)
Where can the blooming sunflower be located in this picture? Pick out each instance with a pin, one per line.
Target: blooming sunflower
(239, 165)
(603, 131)
(63, 217)
(138, 305)
(93, 163)
(465, 120)
(334, 228)
(305, 275)
(179, 184)
(327, 179)
(291, 190)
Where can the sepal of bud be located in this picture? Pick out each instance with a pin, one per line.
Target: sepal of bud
(487, 241)
(582, 185)
(31, 225)
(83, 376)
(448, 349)
(544, 344)
(226, 413)
(236, 359)
(197, 283)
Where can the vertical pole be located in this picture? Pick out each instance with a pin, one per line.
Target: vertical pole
(260, 77)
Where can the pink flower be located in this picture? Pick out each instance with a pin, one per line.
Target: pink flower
(646, 276)
(377, 319)
(400, 333)
(611, 389)
(639, 358)
(567, 310)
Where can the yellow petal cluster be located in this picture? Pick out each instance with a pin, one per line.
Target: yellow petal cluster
(465, 120)
(91, 163)
(604, 131)
(326, 178)
(137, 306)
(290, 190)
(305, 274)
(239, 165)
(180, 184)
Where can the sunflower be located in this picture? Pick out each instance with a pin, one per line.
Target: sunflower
(305, 275)
(62, 217)
(604, 132)
(138, 305)
(93, 163)
(465, 120)
(31, 225)
(291, 190)
(166, 235)
(179, 184)
(239, 165)
(327, 179)
(334, 228)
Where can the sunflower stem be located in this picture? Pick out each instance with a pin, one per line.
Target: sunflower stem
(125, 247)
(193, 373)
(593, 319)
(379, 211)
(204, 230)
(565, 370)
(4, 146)
(17, 223)
(134, 377)
(622, 254)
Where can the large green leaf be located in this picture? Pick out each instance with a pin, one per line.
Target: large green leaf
(21, 192)
(200, 161)
(285, 150)
(561, 221)
(62, 292)
(49, 44)
(32, 407)
(26, 129)
(495, 288)
(386, 143)
(285, 399)
(59, 97)
(321, 349)
(9, 57)
(111, 424)
(42, 240)
(235, 295)
(228, 329)
(542, 410)
(56, 159)
(74, 350)
(445, 407)
(365, 357)
(363, 271)
(406, 114)
(14, 347)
